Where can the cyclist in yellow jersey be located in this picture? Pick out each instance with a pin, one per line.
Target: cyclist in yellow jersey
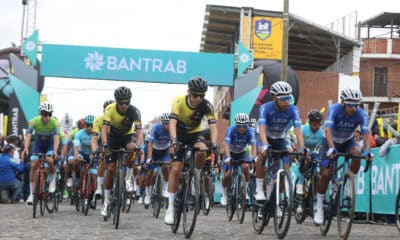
(116, 132)
(185, 127)
(98, 123)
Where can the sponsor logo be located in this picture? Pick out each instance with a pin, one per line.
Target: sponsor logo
(263, 29)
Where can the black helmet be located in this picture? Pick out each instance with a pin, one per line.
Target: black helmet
(314, 115)
(122, 93)
(106, 103)
(198, 84)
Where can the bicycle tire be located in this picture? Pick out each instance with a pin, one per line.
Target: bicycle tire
(43, 192)
(191, 204)
(119, 188)
(240, 199)
(282, 224)
(207, 195)
(258, 221)
(397, 210)
(230, 203)
(328, 206)
(299, 217)
(348, 204)
(87, 193)
(132, 199)
(157, 196)
(49, 203)
(178, 211)
(36, 193)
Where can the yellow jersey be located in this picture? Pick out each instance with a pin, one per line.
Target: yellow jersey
(122, 124)
(97, 124)
(189, 119)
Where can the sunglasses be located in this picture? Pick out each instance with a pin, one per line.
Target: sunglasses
(45, 114)
(165, 122)
(241, 125)
(284, 98)
(352, 105)
(89, 125)
(123, 103)
(315, 123)
(196, 95)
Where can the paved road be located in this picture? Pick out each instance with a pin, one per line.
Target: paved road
(16, 223)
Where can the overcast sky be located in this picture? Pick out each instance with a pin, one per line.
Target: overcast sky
(174, 25)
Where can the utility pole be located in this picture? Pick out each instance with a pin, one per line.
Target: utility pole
(285, 45)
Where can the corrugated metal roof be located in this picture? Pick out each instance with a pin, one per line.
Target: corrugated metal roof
(382, 19)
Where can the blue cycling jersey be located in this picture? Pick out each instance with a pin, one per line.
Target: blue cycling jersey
(343, 125)
(312, 140)
(278, 122)
(238, 142)
(82, 140)
(160, 137)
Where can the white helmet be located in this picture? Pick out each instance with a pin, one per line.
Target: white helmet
(242, 118)
(46, 107)
(164, 117)
(351, 94)
(281, 87)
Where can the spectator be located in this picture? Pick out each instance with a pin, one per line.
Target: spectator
(8, 172)
(14, 141)
(384, 149)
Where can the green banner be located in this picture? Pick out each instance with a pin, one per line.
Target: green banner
(385, 180)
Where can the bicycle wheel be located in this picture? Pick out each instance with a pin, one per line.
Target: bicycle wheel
(345, 211)
(207, 198)
(156, 196)
(397, 210)
(178, 211)
(283, 214)
(258, 219)
(299, 200)
(36, 193)
(87, 191)
(119, 187)
(230, 205)
(50, 204)
(328, 207)
(43, 192)
(190, 204)
(240, 198)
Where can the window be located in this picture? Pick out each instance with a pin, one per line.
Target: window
(380, 81)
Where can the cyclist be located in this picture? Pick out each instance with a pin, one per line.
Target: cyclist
(341, 122)
(313, 139)
(120, 121)
(237, 138)
(67, 155)
(45, 130)
(275, 119)
(158, 150)
(185, 127)
(98, 122)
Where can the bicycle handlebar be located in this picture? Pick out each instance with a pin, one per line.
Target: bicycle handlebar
(349, 155)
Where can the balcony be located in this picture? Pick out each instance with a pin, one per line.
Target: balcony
(381, 48)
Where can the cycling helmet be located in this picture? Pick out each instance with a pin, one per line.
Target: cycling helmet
(164, 117)
(46, 107)
(89, 119)
(351, 94)
(242, 118)
(281, 88)
(122, 93)
(106, 103)
(198, 84)
(314, 115)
